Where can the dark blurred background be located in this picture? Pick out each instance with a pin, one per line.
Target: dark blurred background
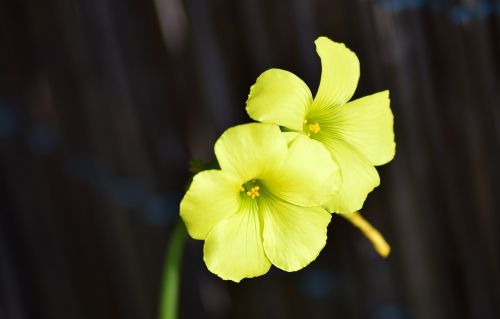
(103, 103)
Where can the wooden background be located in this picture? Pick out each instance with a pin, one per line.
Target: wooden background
(103, 102)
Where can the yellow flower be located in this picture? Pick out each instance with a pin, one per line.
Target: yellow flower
(264, 206)
(358, 134)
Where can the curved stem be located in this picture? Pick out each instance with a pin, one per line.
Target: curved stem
(377, 240)
(172, 273)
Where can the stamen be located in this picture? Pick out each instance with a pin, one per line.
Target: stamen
(314, 128)
(251, 189)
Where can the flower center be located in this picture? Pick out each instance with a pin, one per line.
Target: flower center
(312, 128)
(251, 189)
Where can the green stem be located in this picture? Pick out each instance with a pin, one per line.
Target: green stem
(172, 273)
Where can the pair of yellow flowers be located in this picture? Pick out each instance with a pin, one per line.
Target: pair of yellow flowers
(280, 179)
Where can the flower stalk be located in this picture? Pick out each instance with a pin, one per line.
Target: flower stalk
(377, 240)
(169, 298)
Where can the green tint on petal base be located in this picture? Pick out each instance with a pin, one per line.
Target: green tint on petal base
(367, 124)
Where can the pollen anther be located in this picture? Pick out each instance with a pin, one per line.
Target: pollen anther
(253, 192)
(314, 128)
(251, 189)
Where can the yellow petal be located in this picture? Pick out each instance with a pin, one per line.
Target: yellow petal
(212, 196)
(233, 249)
(293, 235)
(339, 74)
(290, 136)
(366, 124)
(249, 149)
(308, 177)
(359, 177)
(279, 97)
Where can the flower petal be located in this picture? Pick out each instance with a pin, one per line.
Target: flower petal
(366, 124)
(233, 249)
(359, 177)
(308, 177)
(293, 235)
(279, 97)
(212, 196)
(339, 74)
(290, 136)
(249, 149)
